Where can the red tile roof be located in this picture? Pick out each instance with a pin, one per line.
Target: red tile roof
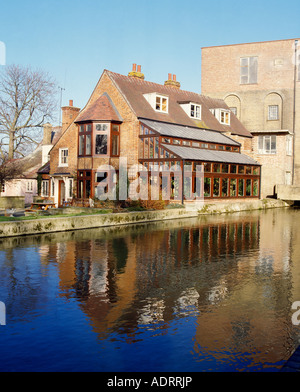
(133, 89)
(102, 109)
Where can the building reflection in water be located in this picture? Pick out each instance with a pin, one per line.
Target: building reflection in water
(234, 274)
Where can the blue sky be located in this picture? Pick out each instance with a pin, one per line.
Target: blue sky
(76, 40)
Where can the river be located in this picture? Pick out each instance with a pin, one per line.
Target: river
(192, 295)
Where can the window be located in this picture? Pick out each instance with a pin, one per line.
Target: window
(85, 140)
(29, 186)
(267, 144)
(101, 139)
(289, 145)
(216, 187)
(52, 188)
(207, 186)
(233, 110)
(84, 184)
(224, 187)
(115, 140)
(224, 117)
(161, 104)
(273, 112)
(45, 188)
(195, 111)
(233, 187)
(63, 156)
(248, 70)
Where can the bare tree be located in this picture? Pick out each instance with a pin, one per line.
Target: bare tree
(9, 169)
(27, 101)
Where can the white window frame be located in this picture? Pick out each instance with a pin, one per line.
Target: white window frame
(65, 157)
(224, 113)
(289, 145)
(263, 140)
(29, 186)
(45, 187)
(161, 98)
(245, 77)
(273, 112)
(218, 112)
(197, 111)
(52, 190)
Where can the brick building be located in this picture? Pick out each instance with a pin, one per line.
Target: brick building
(260, 82)
(155, 125)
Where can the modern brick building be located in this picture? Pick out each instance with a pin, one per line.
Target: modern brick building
(260, 82)
(155, 125)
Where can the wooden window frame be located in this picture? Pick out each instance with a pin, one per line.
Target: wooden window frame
(112, 134)
(84, 132)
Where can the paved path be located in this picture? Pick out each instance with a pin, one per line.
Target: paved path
(293, 364)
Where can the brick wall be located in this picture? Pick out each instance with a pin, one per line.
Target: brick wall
(275, 86)
(68, 140)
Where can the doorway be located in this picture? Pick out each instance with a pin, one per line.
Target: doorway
(61, 193)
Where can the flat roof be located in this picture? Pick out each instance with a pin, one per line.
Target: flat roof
(249, 43)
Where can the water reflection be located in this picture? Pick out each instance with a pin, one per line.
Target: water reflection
(233, 276)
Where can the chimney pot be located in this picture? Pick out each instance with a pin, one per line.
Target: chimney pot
(172, 81)
(136, 72)
(70, 102)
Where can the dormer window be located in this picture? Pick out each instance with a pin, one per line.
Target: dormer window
(222, 115)
(192, 109)
(161, 104)
(158, 102)
(195, 111)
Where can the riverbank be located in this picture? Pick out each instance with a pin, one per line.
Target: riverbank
(47, 224)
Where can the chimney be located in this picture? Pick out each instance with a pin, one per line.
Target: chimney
(136, 72)
(69, 113)
(172, 81)
(47, 136)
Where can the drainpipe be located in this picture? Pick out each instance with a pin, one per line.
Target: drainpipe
(294, 112)
(182, 190)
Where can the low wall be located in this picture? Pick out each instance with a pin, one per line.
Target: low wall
(49, 225)
(244, 205)
(288, 192)
(56, 224)
(12, 202)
